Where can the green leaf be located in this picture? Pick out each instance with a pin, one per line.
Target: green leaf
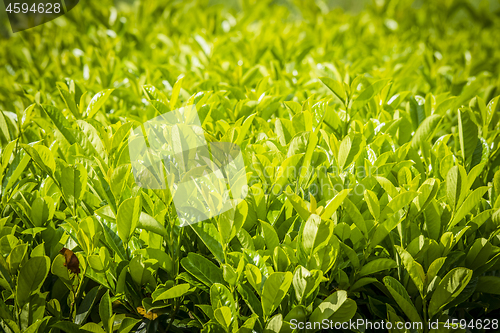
(387, 185)
(355, 215)
(334, 204)
(471, 202)
(86, 305)
(42, 210)
(349, 150)
(417, 110)
(175, 93)
(351, 254)
(163, 293)
(376, 266)
(155, 95)
(427, 192)
(489, 285)
(250, 299)
(202, 269)
(274, 324)
(336, 87)
(17, 256)
(68, 327)
(114, 241)
(138, 269)
(306, 169)
(38, 251)
(315, 234)
(434, 268)
(275, 289)
(35, 327)
(270, 235)
(425, 130)
(478, 254)
(254, 277)
(397, 203)
(491, 109)
(62, 124)
(74, 183)
(415, 270)
(69, 100)
(61, 271)
(164, 260)
(43, 157)
(368, 93)
(336, 307)
(223, 316)
(400, 295)
(362, 282)
(230, 275)
(449, 288)
(299, 204)
(92, 328)
(4, 128)
(456, 180)
(468, 134)
(105, 311)
(127, 324)
(221, 297)
(245, 128)
(31, 278)
(149, 223)
(97, 102)
(128, 217)
(305, 282)
(373, 203)
(100, 263)
(90, 140)
(210, 236)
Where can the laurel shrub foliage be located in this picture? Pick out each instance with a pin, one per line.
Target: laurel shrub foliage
(371, 143)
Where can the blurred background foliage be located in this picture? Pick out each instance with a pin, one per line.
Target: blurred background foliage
(426, 46)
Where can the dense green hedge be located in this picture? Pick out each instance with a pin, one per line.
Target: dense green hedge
(383, 126)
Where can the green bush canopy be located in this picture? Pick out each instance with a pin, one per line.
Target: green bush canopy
(371, 146)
